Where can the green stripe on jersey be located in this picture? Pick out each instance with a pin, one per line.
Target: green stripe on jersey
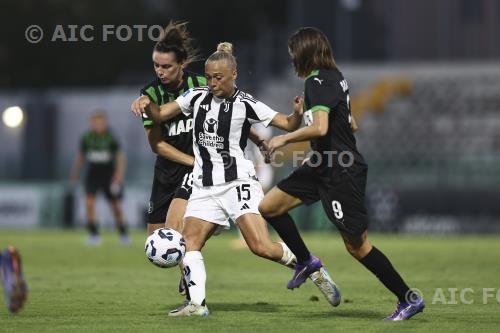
(313, 73)
(151, 92)
(190, 82)
(320, 108)
(147, 122)
(202, 81)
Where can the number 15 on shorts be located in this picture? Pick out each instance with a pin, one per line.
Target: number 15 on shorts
(243, 191)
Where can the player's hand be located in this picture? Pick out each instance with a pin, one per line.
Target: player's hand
(298, 105)
(138, 107)
(275, 143)
(264, 148)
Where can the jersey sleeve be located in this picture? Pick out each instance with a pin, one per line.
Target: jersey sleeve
(115, 145)
(186, 101)
(258, 112)
(83, 144)
(151, 93)
(321, 94)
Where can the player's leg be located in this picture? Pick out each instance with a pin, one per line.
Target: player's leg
(196, 232)
(92, 227)
(254, 230)
(119, 220)
(409, 303)
(300, 187)
(174, 221)
(274, 208)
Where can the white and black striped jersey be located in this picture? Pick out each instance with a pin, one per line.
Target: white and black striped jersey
(220, 133)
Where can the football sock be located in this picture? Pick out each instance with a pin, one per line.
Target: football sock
(288, 258)
(122, 229)
(380, 265)
(195, 276)
(287, 230)
(186, 288)
(92, 228)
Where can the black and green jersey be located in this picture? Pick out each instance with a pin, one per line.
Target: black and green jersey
(328, 90)
(100, 150)
(176, 131)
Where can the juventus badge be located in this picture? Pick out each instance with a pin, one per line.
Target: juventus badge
(226, 106)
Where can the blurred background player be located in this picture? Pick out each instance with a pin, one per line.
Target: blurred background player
(11, 275)
(100, 150)
(340, 185)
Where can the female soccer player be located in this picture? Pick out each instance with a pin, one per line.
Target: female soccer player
(100, 149)
(172, 139)
(224, 182)
(336, 173)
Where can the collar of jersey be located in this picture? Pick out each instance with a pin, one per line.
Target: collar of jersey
(314, 72)
(229, 99)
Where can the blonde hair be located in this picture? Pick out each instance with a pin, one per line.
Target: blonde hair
(224, 52)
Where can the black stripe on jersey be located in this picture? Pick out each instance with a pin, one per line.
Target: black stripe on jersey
(224, 130)
(245, 130)
(201, 116)
(194, 99)
(250, 111)
(159, 96)
(196, 82)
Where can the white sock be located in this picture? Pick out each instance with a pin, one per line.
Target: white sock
(288, 258)
(195, 275)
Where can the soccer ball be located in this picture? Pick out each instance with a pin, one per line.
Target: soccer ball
(165, 247)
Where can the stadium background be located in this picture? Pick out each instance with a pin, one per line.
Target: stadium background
(424, 79)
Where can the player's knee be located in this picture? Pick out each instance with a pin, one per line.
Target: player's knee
(260, 249)
(193, 241)
(357, 250)
(268, 210)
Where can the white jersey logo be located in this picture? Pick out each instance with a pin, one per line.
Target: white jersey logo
(319, 80)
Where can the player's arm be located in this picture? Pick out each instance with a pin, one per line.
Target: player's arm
(119, 173)
(292, 121)
(158, 114)
(165, 150)
(354, 125)
(318, 128)
(77, 166)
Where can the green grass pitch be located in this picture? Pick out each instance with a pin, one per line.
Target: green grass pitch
(74, 288)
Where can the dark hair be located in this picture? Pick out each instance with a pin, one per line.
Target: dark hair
(310, 50)
(224, 52)
(175, 38)
(98, 113)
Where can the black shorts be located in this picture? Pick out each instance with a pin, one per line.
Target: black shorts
(162, 195)
(341, 195)
(95, 182)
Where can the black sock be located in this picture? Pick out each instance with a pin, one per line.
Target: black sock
(122, 229)
(92, 228)
(287, 230)
(380, 265)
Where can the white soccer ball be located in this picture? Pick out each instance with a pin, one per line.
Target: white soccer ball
(165, 247)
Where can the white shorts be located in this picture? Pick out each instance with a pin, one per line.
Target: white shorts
(218, 203)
